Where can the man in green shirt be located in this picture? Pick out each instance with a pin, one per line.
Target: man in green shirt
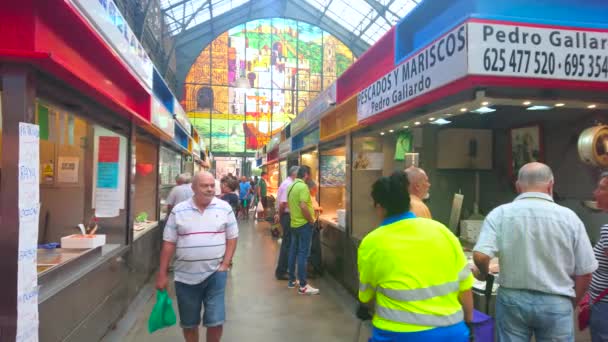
(263, 193)
(302, 219)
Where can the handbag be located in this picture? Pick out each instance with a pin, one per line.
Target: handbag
(584, 309)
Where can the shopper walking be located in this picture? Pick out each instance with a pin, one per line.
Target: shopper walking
(262, 189)
(415, 270)
(203, 233)
(545, 258)
(229, 186)
(418, 189)
(284, 219)
(244, 197)
(182, 191)
(301, 222)
(598, 289)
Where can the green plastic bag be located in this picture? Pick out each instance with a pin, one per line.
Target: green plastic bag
(162, 315)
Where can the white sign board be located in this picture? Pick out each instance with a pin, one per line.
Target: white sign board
(29, 212)
(109, 168)
(181, 117)
(161, 118)
(442, 62)
(537, 52)
(106, 18)
(68, 169)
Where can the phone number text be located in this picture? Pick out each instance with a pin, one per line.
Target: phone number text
(545, 63)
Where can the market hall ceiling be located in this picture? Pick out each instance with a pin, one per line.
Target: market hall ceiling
(357, 23)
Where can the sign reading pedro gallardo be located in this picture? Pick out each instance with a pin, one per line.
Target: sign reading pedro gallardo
(440, 63)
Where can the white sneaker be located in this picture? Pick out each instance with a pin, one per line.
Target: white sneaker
(308, 290)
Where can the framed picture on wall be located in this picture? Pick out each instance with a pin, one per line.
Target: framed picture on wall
(525, 146)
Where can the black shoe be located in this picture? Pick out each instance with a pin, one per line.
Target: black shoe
(283, 276)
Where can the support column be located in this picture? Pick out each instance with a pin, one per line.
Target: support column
(18, 105)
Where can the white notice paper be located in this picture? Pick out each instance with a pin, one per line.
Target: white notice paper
(29, 213)
(68, 169)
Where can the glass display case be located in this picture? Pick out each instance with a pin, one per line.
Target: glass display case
(170, 166)
(146, 186)
(311, 159)
(273, 178)
(332, 183)
(373, 157)
(83, 175)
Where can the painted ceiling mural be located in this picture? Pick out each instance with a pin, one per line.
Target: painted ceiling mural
(253, 79)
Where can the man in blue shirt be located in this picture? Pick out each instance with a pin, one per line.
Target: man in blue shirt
(245, 189)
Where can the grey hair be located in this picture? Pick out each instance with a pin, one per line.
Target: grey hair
(293, 169)
(535, 174)
(604, 175)
(185, 177)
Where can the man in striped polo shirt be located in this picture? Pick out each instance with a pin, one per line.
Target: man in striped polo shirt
(203, 232)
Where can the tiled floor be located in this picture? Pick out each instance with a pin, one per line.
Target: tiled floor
(260, 308)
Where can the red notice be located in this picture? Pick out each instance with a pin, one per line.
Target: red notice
(108, 149)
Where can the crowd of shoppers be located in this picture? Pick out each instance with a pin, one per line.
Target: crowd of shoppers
(547, 263)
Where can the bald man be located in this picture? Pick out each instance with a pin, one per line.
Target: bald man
(545, 257)
(419, 190)
(203, 232)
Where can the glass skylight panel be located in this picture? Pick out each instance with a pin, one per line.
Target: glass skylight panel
(222, 6)
(319, 4)
(402, 7)
(353, 15)
(202, 16)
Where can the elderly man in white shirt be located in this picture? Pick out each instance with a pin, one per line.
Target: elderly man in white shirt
(545, 258)
(203, 232)
(283, 217)
(182, 191)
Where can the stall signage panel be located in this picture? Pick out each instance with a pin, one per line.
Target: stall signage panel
(313, 112)
(311, 138)
(162, 119)
(442, 62)
(181, 117)
(539, 52)
(113, 27)
(285, 148)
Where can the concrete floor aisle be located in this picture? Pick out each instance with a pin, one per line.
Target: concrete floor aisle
(258, 307)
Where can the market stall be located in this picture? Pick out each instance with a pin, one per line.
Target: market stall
(82, 124)
(473, 99)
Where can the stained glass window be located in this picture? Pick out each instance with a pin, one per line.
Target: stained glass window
(253, 79)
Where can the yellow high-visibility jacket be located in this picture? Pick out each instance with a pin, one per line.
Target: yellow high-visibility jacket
(415, 268)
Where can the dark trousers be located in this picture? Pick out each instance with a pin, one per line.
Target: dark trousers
(285, 244)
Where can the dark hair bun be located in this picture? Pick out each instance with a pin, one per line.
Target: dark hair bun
(391, 193)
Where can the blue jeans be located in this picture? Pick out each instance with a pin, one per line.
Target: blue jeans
(599, 322)
(301, 238)
(191, 298)
(521, 314)
(282, 264)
